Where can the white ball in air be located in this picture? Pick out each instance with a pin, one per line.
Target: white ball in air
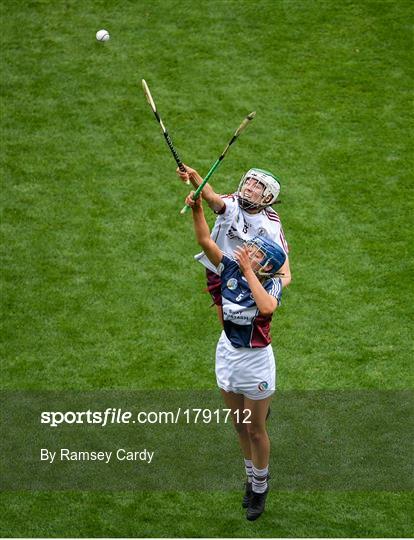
(102, 35)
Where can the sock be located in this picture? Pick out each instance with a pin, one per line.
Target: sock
(260, 479)
(248, 464)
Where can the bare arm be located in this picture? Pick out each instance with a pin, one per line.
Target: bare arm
(265, 302)
(214, 200)
(202, 231)
(285, 274)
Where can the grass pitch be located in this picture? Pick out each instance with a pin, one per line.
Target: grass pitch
(99, 289)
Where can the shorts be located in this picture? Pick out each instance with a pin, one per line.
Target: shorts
(214, 287)
(251, 372)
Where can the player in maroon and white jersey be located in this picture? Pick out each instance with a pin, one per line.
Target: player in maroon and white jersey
(240, 217)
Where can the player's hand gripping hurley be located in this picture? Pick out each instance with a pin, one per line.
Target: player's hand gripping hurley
(220, 159)
(165, 132)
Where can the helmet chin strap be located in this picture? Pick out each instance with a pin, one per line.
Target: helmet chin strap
(248, 205)
(245, 204)
(263, 272)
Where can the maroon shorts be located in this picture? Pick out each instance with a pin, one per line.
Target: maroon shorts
(214, 287)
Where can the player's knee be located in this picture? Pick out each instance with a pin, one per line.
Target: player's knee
(256, 433)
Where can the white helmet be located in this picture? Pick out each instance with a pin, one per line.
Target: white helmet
(271, 189)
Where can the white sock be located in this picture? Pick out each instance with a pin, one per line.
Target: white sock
(248, 464)
(260, 479)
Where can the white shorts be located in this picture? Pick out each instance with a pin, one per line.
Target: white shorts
(251, 372)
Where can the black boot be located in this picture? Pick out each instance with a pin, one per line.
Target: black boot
(256, 506)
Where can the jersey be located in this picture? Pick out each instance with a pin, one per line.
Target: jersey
(234, 226)
(243, 324)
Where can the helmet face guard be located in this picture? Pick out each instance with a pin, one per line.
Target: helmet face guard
(273, 255)
(257, 189)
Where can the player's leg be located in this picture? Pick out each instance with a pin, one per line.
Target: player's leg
(256, 429)
(235, 402)
(260, 451)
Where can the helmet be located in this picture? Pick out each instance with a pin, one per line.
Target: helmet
(273, 254)
(271, 189)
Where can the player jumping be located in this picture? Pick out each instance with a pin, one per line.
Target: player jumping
(245, 364)
(241, 216)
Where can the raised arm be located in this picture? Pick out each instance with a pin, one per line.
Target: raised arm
(214, 200)
(202, 231)
(285, 274)
(265, 302)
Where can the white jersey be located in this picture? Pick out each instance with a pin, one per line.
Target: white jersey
(234, 226)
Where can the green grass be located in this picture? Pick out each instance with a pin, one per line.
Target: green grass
(129, 514)
(99, 289)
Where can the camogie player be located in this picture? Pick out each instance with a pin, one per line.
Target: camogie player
(245, 364)
(240, 217)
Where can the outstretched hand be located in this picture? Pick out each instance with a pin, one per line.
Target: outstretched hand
(241, 255)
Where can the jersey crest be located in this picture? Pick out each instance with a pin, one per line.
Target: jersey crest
(232, 284)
